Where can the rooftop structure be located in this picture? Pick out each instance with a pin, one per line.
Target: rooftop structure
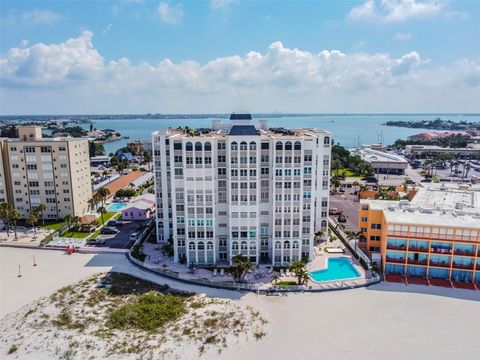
(427, 151)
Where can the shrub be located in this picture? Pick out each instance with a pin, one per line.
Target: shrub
(150, 312)
(13, 349)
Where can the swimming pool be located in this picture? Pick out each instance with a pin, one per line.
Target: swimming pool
(340, 268)
(116, 207)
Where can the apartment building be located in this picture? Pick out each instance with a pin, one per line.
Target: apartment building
(434, 238)
(240, 188)
(50, 171)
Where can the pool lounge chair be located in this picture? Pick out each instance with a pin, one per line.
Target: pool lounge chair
(222, 272)
(214, 272)
(270, 270)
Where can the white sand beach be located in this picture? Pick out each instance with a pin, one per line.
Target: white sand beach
(383, 321)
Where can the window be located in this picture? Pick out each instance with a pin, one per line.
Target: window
(243, 146)
(376, 226)
(297, 145)
(221, 145)
(45, 149)
(307, 158)
(307, 170)
(253, 146)
(198, 146)
(29, 149)
(288, 145)
(178, 171)
(326, 140)
(265, 146)
(365, 207)
(189, 146)
(279, 145)
(177, 146)
(32, 166)
(208, 146)
(234, 146)
(364, 219)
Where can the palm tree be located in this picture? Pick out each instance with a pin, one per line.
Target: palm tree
(14, 216)
(318, 235)
(76, 221)
(275, 279)
(68, 220)
(241, 265)
(336, 165)
(32, 221)
(101, 210)
(5, 209)
(299, 269)
(40, 209)
(92, 202)
(355, 184)
(103, 194)
(352, 235)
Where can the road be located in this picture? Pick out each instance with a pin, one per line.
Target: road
(347, 203)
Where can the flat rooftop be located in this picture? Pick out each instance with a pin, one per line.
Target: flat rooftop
(438, 204)
(373, 156)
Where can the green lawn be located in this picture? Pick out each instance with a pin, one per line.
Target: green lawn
(53, 226)
(75, 234)
(106, 217)
(346, 172)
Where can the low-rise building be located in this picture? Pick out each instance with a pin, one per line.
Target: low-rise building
(435, 237)
(429, 151)
(382, 162)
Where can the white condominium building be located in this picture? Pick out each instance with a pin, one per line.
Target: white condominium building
(50, 171)
(241, 189)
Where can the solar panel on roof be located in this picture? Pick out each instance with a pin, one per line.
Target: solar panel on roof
(240, 117)
(243, 130)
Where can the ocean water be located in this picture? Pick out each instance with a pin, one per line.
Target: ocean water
(348, 130)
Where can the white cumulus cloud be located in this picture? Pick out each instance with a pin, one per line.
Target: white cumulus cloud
(73, 77)
(170, 14)
(390, 11)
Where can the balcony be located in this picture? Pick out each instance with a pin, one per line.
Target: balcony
(417, 262)
(396, 247)
(396, 260)
(445, 264)
(463, 266)
(441, 250)
(418, 249)
(463, 252)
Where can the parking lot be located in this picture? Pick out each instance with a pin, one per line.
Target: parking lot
(122, 239)
(348, 203)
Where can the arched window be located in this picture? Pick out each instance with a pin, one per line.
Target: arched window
(253, 245)
(201, 245)
(189, 146)
(286, 245)
(235, 245)
(295, 245)
(191, 246)
(278, 245)
(326, 140)
(243, 245)
(288, 145)
(253, 146)
(243, 145)
(324, 224)
(208, 146)
(209, 245)
(297, 145)
(234, 146)
(198, 146)
(279, 145)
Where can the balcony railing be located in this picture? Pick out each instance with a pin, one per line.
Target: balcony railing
(463, 266)
(445, 264)
(417, 262)
(396, 260)
(418, 249)
(441, 250)
(396, 247)
(463, 252)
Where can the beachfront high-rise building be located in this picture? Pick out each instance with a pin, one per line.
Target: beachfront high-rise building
(434, 238)
(241, 189)
(50, 171)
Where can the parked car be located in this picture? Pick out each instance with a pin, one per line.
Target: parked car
(341, 189)
(342, 218)
(96, 242)
(115, 223)
(370, 179)
(426, 180)
(335, 211)
(134, 236)
(109, 230)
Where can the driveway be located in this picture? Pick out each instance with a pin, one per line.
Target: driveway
(122, 239)
(348, 203)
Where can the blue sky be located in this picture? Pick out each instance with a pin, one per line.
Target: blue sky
(370, 48)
